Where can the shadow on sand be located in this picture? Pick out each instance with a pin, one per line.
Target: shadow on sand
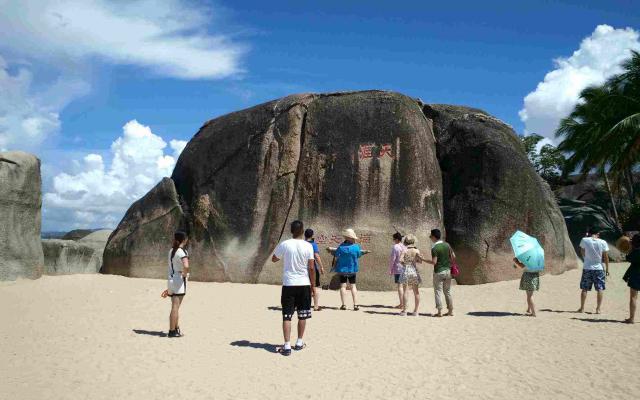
(377, 306)
(396, 313)
(150, 333)
(493, 314)
(558, 311)
(271, 348)
(612, 321)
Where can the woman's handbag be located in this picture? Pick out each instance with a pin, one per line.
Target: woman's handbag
(455, 270)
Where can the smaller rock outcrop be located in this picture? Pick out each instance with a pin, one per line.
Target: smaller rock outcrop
(20, 216)
(84, 256)
(138, 247)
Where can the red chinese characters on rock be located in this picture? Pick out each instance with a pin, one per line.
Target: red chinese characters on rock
(371, 150)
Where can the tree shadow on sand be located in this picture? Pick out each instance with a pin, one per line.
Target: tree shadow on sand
(271, 348)
(612, 321)
(493, 314)
(150, 333)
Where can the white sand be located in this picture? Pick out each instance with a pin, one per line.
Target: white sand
(73, 337)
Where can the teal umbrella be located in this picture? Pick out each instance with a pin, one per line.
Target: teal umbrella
(528, 251)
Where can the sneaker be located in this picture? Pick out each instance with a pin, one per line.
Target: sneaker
(174, 334)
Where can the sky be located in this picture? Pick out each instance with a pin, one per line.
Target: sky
(107, 93)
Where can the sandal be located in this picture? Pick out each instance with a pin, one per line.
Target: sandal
(298, 348)
(356, 308)
(343, 307)
(284, 352)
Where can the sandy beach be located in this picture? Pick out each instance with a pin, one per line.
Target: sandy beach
(102, 337)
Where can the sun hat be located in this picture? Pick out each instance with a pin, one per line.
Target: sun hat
(349, 233)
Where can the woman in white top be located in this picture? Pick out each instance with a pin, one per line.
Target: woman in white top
(177, 275)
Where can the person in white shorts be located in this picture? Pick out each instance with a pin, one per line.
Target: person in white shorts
(177, 276)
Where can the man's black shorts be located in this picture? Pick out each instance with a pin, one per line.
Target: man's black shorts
(317, 278)
(348, 278)
(296, 298)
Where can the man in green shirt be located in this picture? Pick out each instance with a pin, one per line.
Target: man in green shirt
(441, 254)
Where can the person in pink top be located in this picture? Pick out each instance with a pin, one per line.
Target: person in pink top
(395, 265)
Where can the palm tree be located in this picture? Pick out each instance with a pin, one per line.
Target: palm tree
(603, 131)
(583, 131)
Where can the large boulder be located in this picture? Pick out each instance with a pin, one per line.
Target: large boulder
(490, 191)
(580, 216)
(20, 216)
(364, 160)
(139, 246)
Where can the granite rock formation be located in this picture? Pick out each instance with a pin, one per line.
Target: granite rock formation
(369, 160)
(20, 216)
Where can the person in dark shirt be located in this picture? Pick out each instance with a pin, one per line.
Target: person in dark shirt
(632, 277)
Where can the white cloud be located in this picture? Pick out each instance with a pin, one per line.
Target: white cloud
(99, 195)
(52, 44)
(598, 58)
(28, 116)
(169, 37)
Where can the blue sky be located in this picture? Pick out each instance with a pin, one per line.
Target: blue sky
(488, 54)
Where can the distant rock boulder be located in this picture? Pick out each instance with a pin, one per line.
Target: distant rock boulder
(83, 256)
(139, 246)
(63, 257)
(20, 216)
(490, 191)
(76, 234)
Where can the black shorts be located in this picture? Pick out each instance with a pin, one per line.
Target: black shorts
(396, 278)
(317, 278)
(296, 298)
(348, 278)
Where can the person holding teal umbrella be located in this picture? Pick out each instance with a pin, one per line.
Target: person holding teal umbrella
(530, 257)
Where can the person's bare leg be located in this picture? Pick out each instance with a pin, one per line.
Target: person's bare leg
(633, 297)
(343, 292)
(354, 294)
(286, 331)
(531, 306)
(173, 316)
(302, 324)
(416, 296)
(316, 300)
(405, 299)
(583, 299)
(599, 297)
(401, 297)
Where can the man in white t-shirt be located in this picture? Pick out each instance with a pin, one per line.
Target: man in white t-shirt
(298, 283)
(593, 251)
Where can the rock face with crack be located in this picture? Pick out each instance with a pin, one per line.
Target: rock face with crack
(20, 216)
(490, 191)
(367, 160)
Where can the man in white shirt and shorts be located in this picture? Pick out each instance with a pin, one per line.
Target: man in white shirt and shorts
(298, 283)
(594, 251)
